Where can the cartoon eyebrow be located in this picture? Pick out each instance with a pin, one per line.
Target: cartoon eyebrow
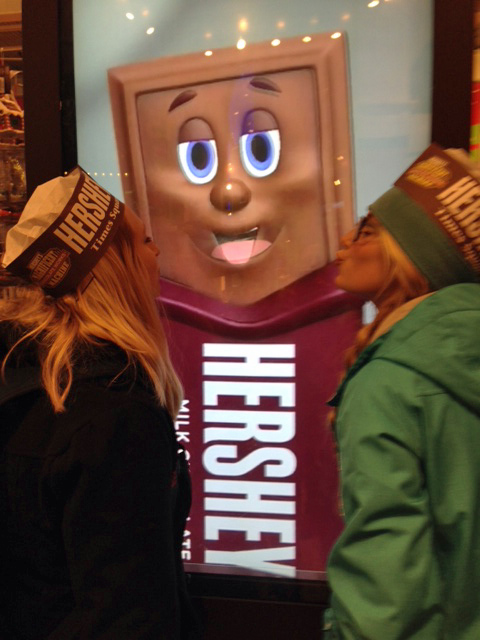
(185, 96)
(265, 84)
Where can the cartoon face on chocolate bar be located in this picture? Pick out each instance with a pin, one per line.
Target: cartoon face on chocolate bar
(228, 166)
(232, 181)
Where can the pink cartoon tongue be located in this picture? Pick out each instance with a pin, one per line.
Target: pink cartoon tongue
(239, 251)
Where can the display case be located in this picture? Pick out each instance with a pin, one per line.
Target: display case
(12, 130)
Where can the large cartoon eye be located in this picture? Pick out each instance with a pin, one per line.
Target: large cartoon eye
(198, 160)
(260, 143)
(260, 152)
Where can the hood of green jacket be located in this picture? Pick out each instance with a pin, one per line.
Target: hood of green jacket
(440, 340)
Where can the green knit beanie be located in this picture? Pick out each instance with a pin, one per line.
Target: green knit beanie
(433, 212)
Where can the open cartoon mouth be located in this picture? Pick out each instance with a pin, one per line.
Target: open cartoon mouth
(240, 248)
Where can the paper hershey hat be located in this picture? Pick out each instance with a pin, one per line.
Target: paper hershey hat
(64, 230)
(433, 212)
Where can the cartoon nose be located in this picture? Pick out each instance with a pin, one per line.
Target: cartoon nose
(230, 196)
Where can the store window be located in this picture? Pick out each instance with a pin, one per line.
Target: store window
(249, 137)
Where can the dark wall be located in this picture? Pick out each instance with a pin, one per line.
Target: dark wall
(452, 72)
(50, 137)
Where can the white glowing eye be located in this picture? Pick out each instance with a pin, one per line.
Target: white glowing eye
(260, 152)
(198, 160)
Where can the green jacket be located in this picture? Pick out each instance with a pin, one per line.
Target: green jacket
(407, 565)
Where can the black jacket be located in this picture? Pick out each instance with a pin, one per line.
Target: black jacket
(93, 504)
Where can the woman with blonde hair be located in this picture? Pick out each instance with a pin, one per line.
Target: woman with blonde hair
(407, 414)
(94, 492)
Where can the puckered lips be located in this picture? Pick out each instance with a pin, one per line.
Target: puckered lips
(239, 248)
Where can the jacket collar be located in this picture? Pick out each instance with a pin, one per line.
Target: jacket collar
(376, 341)
(19, 382)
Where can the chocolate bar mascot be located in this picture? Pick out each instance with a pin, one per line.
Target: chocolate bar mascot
(94, 495)
(240, 165)
(407, 564)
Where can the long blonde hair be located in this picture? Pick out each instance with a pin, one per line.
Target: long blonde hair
(403, 283)
(116, 307)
